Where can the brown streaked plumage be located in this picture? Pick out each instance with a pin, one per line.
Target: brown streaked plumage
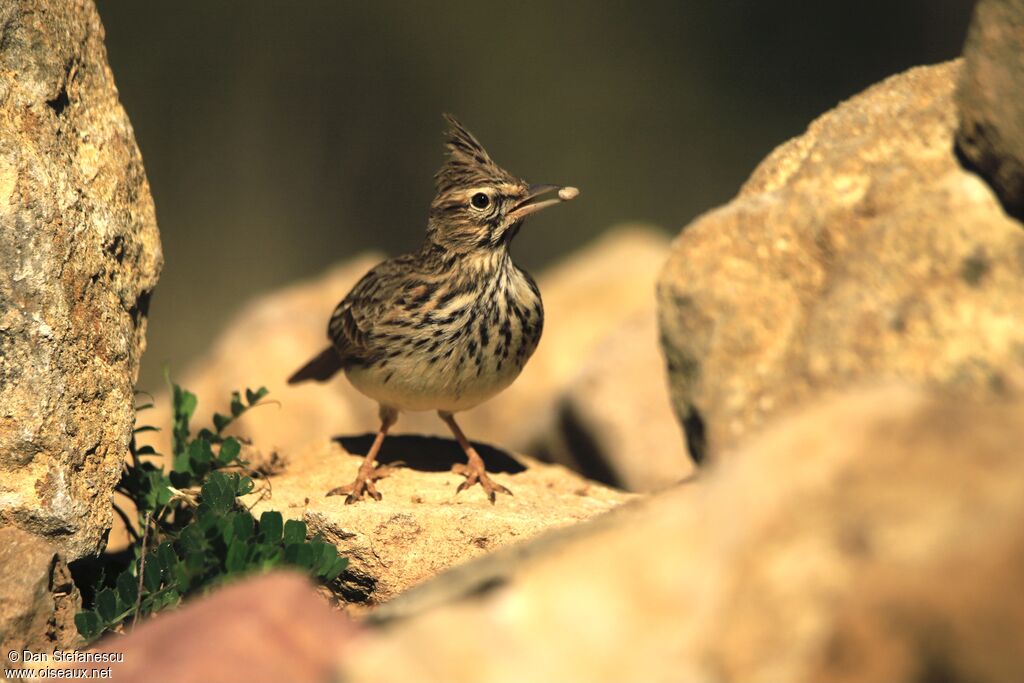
(451, 325)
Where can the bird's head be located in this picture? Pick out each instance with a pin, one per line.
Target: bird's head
(479, 205)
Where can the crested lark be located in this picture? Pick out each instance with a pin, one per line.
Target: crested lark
(451, 325)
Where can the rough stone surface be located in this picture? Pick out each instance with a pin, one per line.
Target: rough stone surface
(264, 629)
(79, 254)
(38, 600)
(873, 537)
(421, 526)
(859, 250)
(991, 98)
(588, 299)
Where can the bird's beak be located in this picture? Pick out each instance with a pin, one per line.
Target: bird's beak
(531, 203)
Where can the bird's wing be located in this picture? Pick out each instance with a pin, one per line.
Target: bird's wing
(354, 328)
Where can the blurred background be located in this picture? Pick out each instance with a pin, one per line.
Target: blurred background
(281, 136)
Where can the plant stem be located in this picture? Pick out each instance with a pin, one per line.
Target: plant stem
(142, 570)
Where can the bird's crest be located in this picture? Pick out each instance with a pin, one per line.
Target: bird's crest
(468, 163)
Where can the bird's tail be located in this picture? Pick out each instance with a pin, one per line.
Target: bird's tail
(321, 368)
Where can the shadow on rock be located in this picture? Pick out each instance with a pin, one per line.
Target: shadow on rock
(428, 453)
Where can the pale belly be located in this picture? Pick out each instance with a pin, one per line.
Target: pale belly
(415, 384)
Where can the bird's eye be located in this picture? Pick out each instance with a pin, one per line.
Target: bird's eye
(480, 200)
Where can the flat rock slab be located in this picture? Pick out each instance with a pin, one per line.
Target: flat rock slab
(421, 527)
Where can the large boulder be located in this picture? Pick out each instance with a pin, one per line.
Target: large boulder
(861, 249)
(876, 536)
(991, 99)
(614, 420)
(80, 255)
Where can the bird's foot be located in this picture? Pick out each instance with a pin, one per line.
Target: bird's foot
(363, 484)
(476, 474)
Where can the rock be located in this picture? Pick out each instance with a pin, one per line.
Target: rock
(421, 526)
(588, 299)
(991, 99)
(266, 628)
(860, 250)
(38, 600)
(614, 420)
(80, 254)
(874, 536)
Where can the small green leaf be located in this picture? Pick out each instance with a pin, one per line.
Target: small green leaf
(106, 605)
(235, 561)
(181, 463)
(253, 396)
(299, 554)
(88, 624)
(229, 450)
(227, 527)
(244, 486)
(163, 496)
(243, 526)
(166, 556)
(221, 421)
(270, 525)
(331, 571)
(146, 428)
(184, 402)
(145, 450)
(199, 451)
(151, 573)
(294, 531)
(237, 408)
(127, 588)
(218, 493)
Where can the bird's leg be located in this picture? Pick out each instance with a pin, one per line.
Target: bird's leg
(368, 470)
(474, 470)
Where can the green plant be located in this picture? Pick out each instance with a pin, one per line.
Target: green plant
(195, 533)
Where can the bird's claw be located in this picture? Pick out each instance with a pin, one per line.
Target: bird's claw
(363, 484)
(477, 475)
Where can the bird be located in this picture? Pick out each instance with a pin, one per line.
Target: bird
(451, 325)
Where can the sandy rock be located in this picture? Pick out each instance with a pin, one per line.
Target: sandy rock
(267, 628)
(875, 536)
(587, 298)
(421, 526)
(38, 600)
(615, 422)
(79, 254)
(991, 99)
(859, 250)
